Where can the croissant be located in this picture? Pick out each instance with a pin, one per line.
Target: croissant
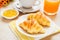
(32, 27)
(40, 18)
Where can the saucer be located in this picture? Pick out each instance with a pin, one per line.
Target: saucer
(34, 8)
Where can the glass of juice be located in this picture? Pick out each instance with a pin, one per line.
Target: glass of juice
(51, 7)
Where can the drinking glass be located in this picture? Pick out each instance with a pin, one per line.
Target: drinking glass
(51, 7)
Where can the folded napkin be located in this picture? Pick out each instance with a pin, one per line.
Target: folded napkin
(17, 33)
(21, 36)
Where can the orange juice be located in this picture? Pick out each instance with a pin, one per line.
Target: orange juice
(51, 6)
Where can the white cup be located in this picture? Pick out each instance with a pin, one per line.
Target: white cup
(27, 3)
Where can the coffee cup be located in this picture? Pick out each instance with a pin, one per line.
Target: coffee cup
(27, 3)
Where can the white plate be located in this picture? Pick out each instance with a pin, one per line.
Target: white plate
(34, 8)
(50, 30)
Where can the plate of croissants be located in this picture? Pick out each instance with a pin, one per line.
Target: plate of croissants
(36, 25)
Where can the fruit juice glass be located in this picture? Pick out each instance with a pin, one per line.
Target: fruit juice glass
(51, 7)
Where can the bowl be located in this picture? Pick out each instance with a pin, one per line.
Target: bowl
(12, 17)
